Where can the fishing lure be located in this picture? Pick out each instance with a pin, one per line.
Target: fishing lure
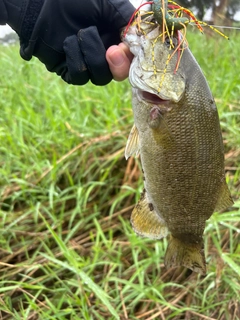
(169, 15)
(163, 17)
(173, 20)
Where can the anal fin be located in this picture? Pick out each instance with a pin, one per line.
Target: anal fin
(146, 222)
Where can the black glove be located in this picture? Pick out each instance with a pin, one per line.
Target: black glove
(69, 36)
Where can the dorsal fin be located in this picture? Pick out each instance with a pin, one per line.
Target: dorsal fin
(146, 222)
(132, 146)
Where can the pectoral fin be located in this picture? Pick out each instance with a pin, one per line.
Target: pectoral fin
(132, 146)
(146, 222)
(224, 199)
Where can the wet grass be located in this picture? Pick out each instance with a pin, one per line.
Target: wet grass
(67, 247)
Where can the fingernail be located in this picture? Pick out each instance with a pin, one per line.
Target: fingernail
(117, 58)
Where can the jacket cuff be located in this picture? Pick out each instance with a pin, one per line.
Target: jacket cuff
(22, 16)
(30, 18)
(3, 13)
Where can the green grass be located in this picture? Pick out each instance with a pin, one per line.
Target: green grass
(67, 247)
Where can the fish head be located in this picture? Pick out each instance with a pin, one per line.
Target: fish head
(153, 69)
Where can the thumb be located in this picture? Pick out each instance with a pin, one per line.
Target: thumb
(119, 59)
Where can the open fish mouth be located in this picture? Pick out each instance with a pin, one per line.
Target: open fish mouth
(151, 97)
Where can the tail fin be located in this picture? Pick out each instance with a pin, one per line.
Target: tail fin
(183, 254)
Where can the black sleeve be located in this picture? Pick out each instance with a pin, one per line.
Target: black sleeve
(3, 13)
(69, 36)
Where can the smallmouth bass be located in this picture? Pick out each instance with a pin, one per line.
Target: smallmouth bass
(177, 134)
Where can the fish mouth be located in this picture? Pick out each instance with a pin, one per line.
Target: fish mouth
(151, 97)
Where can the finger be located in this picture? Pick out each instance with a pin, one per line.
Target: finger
(126, 50)
(119, 59)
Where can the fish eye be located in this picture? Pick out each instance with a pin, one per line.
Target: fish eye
(171, 42)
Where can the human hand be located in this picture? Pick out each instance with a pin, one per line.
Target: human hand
(119, 57)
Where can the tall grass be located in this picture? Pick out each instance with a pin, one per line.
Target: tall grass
(67, 248)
